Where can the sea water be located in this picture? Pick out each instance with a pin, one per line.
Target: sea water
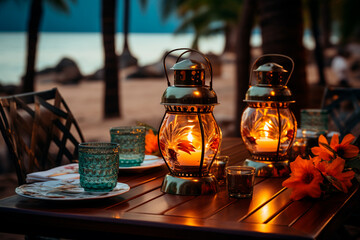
(86, 50)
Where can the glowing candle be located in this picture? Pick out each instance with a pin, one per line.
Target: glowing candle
(266, 145)
(192, 159)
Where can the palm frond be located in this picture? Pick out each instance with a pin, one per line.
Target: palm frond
(60, 5)
(143, 5)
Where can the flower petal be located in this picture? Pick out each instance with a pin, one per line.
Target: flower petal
(336, 167)
(322, 139)
(349, 138)
(325, 156)
(316, 150)
(297, 194)
(291, 182)
(334, 140)
(350, 151)
(314, 190)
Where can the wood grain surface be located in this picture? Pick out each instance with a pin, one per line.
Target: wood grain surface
(145, 211)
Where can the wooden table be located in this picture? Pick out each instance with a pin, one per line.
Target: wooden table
(147, 212)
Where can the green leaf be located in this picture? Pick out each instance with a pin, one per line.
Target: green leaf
(327, 146)
(336, 183)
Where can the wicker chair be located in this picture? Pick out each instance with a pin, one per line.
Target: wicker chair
(343, 105)
(39, 131)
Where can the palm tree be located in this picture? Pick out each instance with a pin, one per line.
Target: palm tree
(325, 16)
(205, 17)
(314, 9)
(35, 16)
(282, 32)
(36, 12)
(111, 77)
(126, 58)
(243, 58)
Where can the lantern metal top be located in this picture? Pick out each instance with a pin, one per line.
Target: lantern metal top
(189, 82)
(271, 84)
(188, 64)
(267, 67)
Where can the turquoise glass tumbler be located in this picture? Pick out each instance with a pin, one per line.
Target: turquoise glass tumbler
(132, 144)
(98, 166)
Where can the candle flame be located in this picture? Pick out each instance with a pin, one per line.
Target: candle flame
(190, 137)
(266, 128)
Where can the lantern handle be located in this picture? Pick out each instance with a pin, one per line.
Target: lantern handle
(273, 55)
(177, 60)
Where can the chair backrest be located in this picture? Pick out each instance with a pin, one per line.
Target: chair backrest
(39, 130)
(343, 105)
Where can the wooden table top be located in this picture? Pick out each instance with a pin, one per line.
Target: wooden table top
(147, 212)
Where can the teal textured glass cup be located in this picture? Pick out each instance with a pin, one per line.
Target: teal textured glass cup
(132, 144)
(98, 166)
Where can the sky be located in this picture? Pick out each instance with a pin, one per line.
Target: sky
(84, 16)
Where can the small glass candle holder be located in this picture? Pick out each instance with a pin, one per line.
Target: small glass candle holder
(98, 166)
(240, 181)
(218, 168)
(298, 149)
(314, 122)
(132, 144)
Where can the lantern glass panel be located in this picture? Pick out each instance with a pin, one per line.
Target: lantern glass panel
(262, 130)
(180, 141)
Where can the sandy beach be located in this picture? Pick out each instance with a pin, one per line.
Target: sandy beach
(140, 100)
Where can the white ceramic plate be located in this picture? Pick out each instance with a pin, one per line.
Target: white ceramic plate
(150, 161)
(65, 190)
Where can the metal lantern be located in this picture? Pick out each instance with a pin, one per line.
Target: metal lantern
(268, 127)
(189, 137)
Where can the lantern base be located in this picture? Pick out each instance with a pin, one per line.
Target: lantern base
(189, 185)
(269, 168)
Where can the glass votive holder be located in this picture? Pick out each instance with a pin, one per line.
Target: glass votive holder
(98, 166)
(218, 168)
(132, 144)
(240, 181)
(314, 122)
(298, 148)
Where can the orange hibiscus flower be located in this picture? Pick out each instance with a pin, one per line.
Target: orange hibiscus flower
(334, 173)
(321, 150)
(151, 143)
(343, 149)
(304, 179)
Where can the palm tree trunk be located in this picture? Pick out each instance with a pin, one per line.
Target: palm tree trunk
(326, 22)
(126, 59)
(111, 77)
(243, 57)
(318, 52)
(229, 46)
(32, 39)
(126, 24)
(282, 32)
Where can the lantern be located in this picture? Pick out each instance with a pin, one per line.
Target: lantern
(189, 137)
(268, 127)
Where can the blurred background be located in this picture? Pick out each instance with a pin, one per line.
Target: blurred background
(76, 45)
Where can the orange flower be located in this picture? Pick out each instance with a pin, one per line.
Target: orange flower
(322, 151)
(304, 180)
(334, 173)
(151, 143)
(344, 149)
